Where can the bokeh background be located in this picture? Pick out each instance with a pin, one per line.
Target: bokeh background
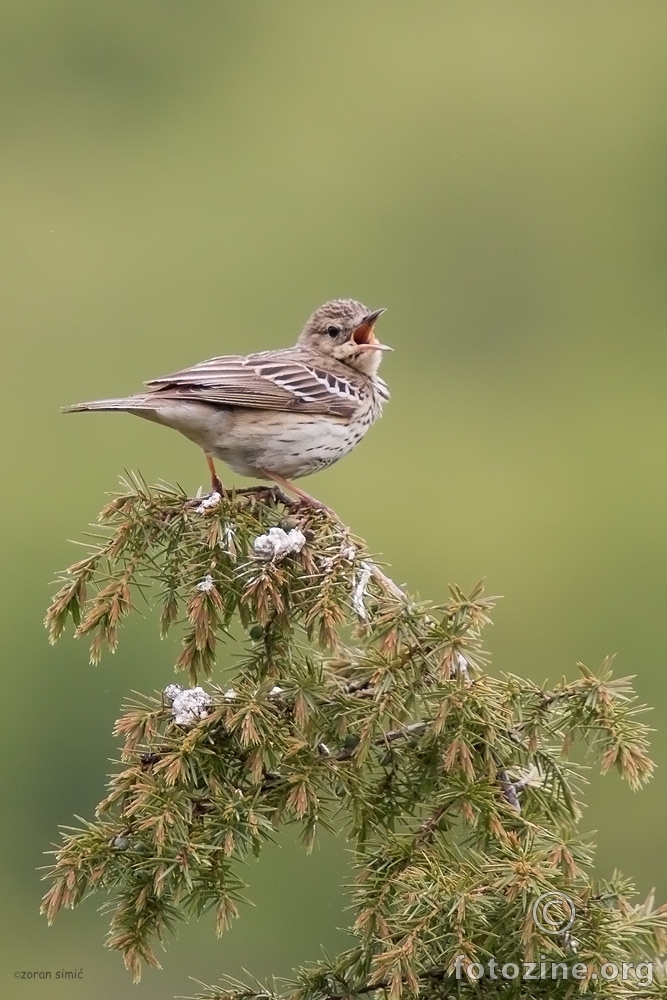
(181, 180)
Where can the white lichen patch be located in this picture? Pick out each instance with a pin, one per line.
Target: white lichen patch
(208, 503)
(188, 705)
(278, 543)
(170, 692)
(360, 583)
(228, 541)
(462, 669)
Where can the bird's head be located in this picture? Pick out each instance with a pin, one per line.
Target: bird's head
(344, 329)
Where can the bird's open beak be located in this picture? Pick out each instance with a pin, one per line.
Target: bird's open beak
(364, 335)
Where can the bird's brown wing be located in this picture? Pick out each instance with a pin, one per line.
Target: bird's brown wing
(272, 380)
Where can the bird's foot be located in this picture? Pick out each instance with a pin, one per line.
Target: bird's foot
(272, 494)
(303, 499)
(279, 496)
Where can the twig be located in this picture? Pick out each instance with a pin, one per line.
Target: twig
(386, 583)
(392, 734)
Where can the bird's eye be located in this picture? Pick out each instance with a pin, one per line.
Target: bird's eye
(333, 331)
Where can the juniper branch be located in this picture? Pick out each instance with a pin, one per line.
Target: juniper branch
(353, 706)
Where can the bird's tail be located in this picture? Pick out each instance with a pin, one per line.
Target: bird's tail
(128, 403)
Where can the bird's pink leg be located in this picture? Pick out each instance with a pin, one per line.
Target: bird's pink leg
(216, 485)
(302, 495)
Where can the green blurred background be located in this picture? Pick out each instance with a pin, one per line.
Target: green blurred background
(181, 180)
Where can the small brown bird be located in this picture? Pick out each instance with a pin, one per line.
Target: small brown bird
(276, 415)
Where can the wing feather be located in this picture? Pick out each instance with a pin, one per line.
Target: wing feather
(271, 380)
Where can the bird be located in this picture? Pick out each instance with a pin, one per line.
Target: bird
(275, 415)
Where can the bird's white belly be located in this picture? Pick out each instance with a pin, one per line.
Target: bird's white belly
(292, 445)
